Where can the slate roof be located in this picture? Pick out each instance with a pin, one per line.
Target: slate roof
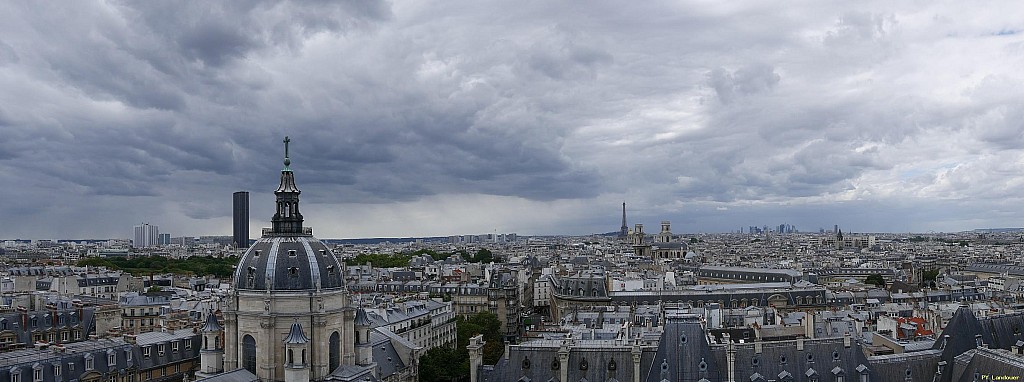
(824, 356)
(918, 366)
(684, 353)
(288, 263)
(589, 360)
(296, 336)
(385, 355)
(237, 375)
(211, 324)
(964, 332)
(984, 364)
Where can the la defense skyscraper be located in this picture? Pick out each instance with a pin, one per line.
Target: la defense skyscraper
(240, 219)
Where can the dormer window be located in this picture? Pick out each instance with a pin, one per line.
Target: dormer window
(291, 253)
(293, 271)
(251, 278)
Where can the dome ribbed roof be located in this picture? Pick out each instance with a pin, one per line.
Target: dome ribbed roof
(288, 263)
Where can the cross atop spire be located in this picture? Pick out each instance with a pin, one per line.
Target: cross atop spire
(286, 160)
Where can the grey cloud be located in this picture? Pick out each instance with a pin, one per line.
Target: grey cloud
(405, 103)
(7, 54)
(744, 81)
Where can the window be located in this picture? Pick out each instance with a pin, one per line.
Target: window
(188, 344)
(174, 347)
(56, 370)
(111, 359)
(249, 353)
(160, 349)
(89, 364)
(37, 374)
(128, 355)
(147, 351)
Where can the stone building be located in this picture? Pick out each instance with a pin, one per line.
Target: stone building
(289, 316)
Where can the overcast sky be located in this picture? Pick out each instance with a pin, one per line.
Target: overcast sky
(453, 117)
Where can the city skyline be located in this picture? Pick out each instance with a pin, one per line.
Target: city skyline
(434, 119)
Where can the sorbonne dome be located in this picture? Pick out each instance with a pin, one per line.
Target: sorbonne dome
(288, 317)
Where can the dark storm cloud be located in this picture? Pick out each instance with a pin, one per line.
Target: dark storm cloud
(531, 113)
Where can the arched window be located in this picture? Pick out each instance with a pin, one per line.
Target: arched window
(291, 357)
(334, 350)
(249, 353)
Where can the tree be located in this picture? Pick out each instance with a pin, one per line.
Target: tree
(875, 279)
(443, 364)
(483, 255)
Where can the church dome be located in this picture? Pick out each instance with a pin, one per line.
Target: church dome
(288, 257)
(288, 263)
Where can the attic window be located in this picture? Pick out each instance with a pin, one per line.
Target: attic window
(810, 357)
(755, 361)
(257, 253)
(291, 253)
(526, 362)
(330, 269)
(293, 271)
(782, 360)
(682, 339)
(555, 365)
(323, 252)
(703, 365)
(835, 355)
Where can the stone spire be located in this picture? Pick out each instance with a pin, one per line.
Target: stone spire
(296, 368)
(211, 356)
(287, 220)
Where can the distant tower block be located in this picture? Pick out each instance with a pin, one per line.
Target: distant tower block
(240, 219)
(624, 230)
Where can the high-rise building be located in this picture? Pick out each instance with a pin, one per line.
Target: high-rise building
(146, 235)
(240, 214)
(164, 239)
